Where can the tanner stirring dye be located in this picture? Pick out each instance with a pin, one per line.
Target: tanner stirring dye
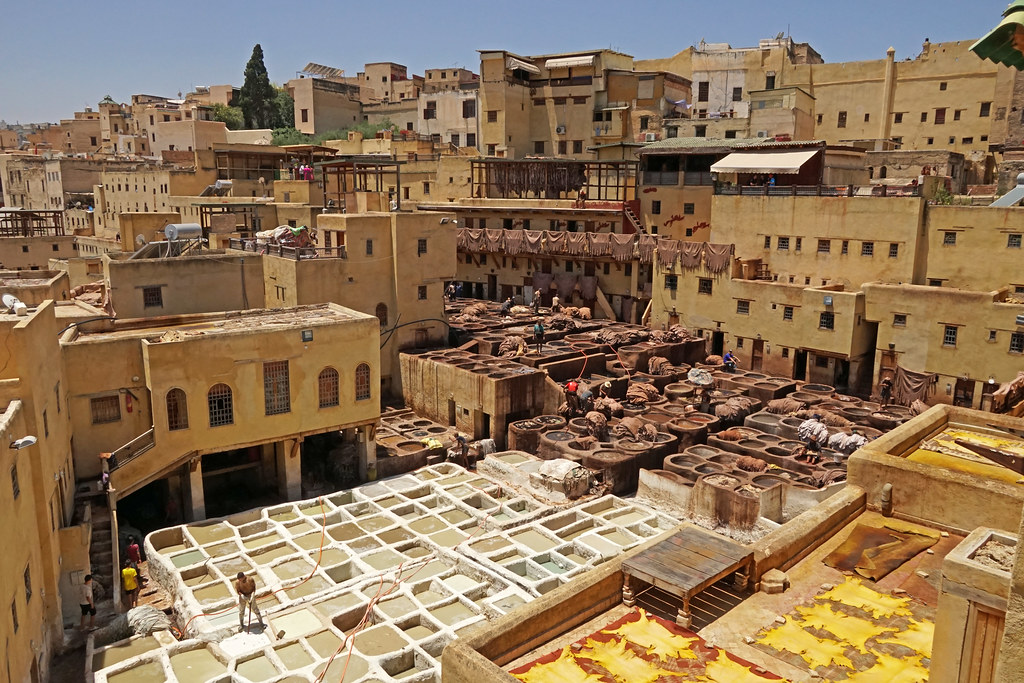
(246, 588)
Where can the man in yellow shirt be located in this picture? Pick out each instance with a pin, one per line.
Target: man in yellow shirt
(130, 583)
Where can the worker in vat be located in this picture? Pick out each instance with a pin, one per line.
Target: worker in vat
(729, 360)
(572, 398)
(813, 433)
(586, 401)
(538, 336)
(885, 391)
(246, 588)
(460, 451)
(506, 307)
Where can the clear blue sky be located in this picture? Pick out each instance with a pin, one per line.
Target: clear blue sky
(57, 57)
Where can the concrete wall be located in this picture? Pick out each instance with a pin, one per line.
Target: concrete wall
(981, 235)
(189, 284)
(747, 221)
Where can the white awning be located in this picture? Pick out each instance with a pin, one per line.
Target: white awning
(513, 63)
(569, 62)
(763, 162)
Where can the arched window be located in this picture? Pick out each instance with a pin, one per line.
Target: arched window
(177, 410)
(382, 314)
(362, 382)
(328, 383)
(222, 410)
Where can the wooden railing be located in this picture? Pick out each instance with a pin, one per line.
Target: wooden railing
(131, 450)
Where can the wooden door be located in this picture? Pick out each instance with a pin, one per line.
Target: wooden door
(757, 355)
(984, 637)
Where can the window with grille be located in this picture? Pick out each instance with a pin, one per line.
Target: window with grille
(827, 320)
(688, 208)
(468, 109)
(737, 94)
(369, 247)
(421, 292)
(799, 243)
(949, 238)
(671, 281)
(867, 249)
(986, 108)
(949, 335)
(152, 297)
(276, 394)
(177, 410)
(894, 250)
(841, 122)
(767, 242)
(421, 247)
(787, 312)
(704, 285)
(1017, 342)
(328, 383)
(105, 409)
(899, 320)
(743, 307)
(382, 314)
(362, 382)
(1013, 241)
(783, 244)
(845, 248)
(703, 90)
(221, 407)
(824, 246)
(492, 116)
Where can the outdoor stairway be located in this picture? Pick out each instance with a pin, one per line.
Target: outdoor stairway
(633, 218)
(101, 559)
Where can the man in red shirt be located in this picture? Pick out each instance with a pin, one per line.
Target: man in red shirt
(572, 399)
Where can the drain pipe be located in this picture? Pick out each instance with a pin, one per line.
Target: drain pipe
(887, 500)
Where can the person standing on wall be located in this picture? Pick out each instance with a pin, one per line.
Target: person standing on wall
(246, 588)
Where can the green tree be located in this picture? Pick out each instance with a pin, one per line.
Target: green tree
(257, 95)
(232, 116)
(290, 136)
(284, 109)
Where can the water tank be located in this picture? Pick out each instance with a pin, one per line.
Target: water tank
(183, 231)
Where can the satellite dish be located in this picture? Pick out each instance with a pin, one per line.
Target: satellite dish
(23, 442)
(9, 300)
(140, 240)
(14, 305)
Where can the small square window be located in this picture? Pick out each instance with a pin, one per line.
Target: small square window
(930, 141)
(899, 319)
(949, 238)
(897, 117)
(1013, 241)
(656, 207)
(992, 335)
(152, 297)
(967, 141)
(867, 118)
(841, 122)
(949, 336)
(739, 342)
(704, 285)
(783, 244)
(767, 242)
(688, 208)
(743, 307)
(986, 108)
(894, 250)
(820, 118)
(924, 117)
(867, 249)
(785, 352)
(942, 85)
(421, 292)
(671, 282)
(827, 320)
(824, 246)
(538, 147)
(787, 313)
(934, 283)
(106, 409)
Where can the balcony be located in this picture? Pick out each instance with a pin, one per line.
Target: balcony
(669, 178)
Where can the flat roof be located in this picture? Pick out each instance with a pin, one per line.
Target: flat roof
(184, 327)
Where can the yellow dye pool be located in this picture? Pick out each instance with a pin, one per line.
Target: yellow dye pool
(942, 451)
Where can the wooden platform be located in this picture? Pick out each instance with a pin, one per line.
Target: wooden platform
(686, 564)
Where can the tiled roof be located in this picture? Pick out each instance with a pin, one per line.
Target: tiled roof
(708, 144)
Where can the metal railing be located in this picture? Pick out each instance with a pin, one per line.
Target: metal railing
(819, 190)
(283, 251)
(661, 178)
(131, 450)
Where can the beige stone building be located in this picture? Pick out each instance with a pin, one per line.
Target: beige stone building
(324, 102)
(559, 105)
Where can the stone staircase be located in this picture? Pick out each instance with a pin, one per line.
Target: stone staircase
(101, 560)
